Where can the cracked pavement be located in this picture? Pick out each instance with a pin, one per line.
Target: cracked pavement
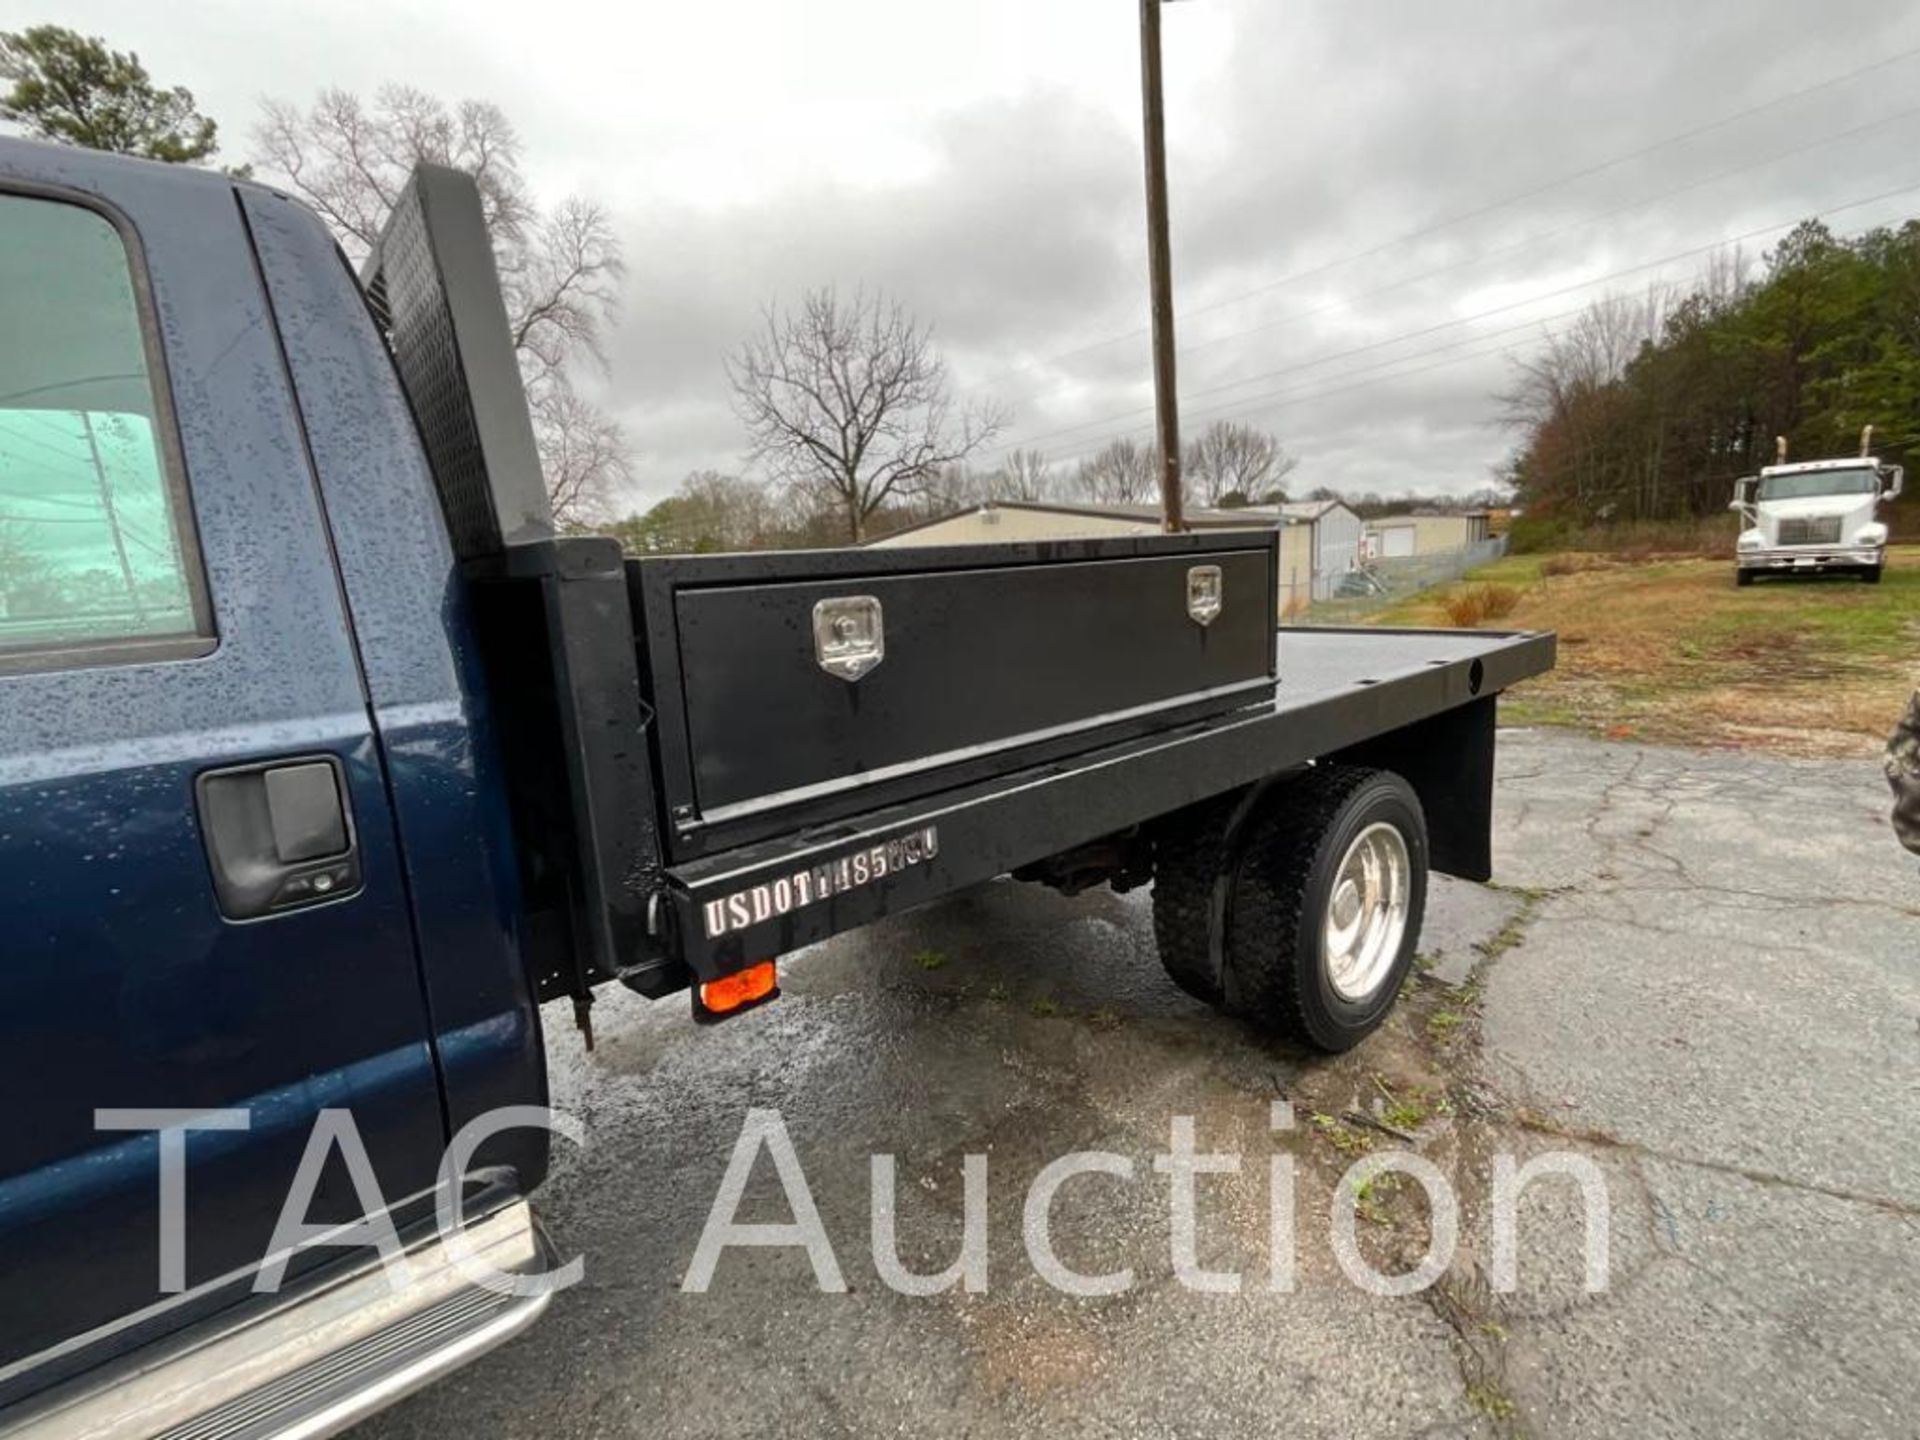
(1696, 970)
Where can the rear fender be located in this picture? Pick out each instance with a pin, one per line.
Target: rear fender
(1448, 759)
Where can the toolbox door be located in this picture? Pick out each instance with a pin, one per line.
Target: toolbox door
(980, 665)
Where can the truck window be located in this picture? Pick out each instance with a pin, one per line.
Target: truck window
(1860, 480)
(96, 547)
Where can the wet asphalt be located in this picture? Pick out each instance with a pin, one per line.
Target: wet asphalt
(1699, 972)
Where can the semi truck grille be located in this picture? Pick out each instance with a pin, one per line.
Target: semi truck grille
(1824, 531)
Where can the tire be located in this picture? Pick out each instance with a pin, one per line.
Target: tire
(1743, 578)
(1276, 972)
(1872, 574)
(1191, 852)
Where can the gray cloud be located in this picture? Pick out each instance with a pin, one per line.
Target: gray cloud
(982, 164)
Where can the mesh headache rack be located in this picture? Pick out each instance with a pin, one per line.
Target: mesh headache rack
(551, 612)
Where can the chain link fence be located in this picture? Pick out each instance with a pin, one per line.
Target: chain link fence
(1375, 585)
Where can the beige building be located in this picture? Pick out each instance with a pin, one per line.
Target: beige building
(1395, 537)
(1010, 521)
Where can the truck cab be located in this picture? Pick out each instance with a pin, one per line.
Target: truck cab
(1819, 515)
(257, 867)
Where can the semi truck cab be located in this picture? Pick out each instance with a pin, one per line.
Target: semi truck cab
(1819, 515)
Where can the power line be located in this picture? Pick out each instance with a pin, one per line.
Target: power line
(1303, 397)
(53, 519)
(1483, 256)
(1534, 240)
(51, 449)
(71, 502)
(1031, 440)
(1286, 397)
(1485, 209)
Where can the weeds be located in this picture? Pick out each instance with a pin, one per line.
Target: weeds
(1403, 1112)
(1344, 1138)
(1371, 1194)
(1711, 535)
(1443, 1025)
(1472, 604)
(1491, 1401)
(1464, 608)
(1570, 563)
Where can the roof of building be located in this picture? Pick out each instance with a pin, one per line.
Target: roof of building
(1308, 509)
(1201, 517)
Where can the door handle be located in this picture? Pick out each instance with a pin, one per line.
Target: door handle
(279, 835)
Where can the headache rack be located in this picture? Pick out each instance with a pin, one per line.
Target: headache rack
(550, 611)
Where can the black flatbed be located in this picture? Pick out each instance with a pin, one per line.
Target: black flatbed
(1339, 688)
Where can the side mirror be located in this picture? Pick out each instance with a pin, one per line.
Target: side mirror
(1895, 477)
(1736, 503)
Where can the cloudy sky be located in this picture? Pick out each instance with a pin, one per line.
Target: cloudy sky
(1374, 204)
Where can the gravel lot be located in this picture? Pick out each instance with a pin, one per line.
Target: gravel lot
(1697, 970)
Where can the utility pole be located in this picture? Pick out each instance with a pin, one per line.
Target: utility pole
(1160, 267)
(113, 519)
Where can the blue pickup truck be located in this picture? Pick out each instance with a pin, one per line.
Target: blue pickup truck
(326, 763)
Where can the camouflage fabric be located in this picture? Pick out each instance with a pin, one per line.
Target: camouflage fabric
(1903, 774)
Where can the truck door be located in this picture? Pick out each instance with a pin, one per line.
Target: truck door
(204, 913)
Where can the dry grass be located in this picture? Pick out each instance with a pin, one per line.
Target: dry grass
(1635, 540)
(1670, 650)
(1500, 600)
(1471, 605)
(1464, 609)
(1569, 562)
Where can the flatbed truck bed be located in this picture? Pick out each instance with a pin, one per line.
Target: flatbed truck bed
(1340, 691)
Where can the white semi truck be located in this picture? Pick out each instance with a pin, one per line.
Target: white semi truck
(1815, 516)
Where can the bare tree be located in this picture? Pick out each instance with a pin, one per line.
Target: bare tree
(583, 449)
(743, 514)
(1585, 356)
(847, 401)
(560, 269)
(23, 569)
(1234, 460)
(1122, 472)
(1024, 475)
(949, 489)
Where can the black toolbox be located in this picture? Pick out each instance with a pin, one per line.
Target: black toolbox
(793, 689)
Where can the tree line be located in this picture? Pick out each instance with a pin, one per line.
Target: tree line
(1229, 466)
(1649, 407)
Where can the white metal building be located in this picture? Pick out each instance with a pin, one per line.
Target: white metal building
(1395, 537)
(1320, 539)
(1012, 520)
(1336, 533)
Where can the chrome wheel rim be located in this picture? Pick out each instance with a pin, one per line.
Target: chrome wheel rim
(1366, 912)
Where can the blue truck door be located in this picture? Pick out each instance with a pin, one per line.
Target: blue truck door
(203, 908)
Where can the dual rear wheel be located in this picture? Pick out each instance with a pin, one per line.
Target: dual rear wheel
(1296, 906)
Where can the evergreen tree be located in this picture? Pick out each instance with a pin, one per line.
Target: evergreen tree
(1650, 410)
(71, 88)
